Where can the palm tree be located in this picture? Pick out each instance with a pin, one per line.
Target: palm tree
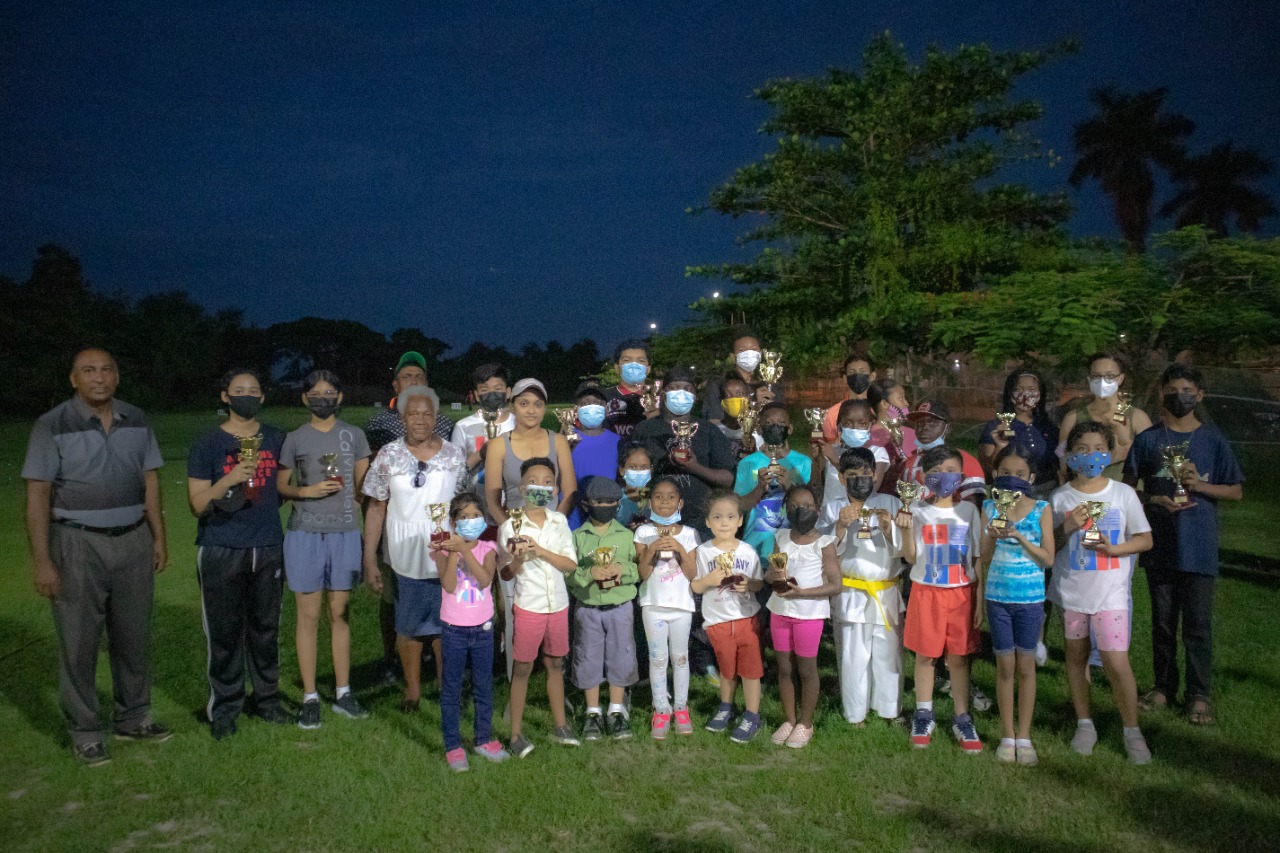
(1118, 147)
(1215, 187)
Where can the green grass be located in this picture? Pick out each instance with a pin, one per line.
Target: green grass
(382, 784)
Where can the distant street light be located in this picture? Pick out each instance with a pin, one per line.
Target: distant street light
(653, 325)
(715, 295)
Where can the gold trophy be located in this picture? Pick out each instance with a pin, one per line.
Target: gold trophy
(815, 417)
(1175, 462)
(249, 445)
(516, 517)
(681, 445)
(1005, 499)
(778, 560)
(774, 452)
(567, 417)
(666, 554)
(603, 556)
(864, 515)
(329, 463)
(651, 395)
(770, 367)
(1124, 402)
(725, 561)
(1006, 424)
(490, 423)
(894, 426)
(908, 492)
(1096, 510)
(747, 420)
(438, 512)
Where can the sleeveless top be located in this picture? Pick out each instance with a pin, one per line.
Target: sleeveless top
(511, 497)
(1014, 578)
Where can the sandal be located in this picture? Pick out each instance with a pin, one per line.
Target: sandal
(1200, 712)
(410, 706)
(1153, 700)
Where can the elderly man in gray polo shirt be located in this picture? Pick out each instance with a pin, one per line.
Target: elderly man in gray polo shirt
(97, 538)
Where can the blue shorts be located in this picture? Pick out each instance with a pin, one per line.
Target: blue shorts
(418, 607)
(316, 561)
(1014, 627)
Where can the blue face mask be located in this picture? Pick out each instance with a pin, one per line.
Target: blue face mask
(927, 445)
(679, 402)
(637, 479)
(661, 520)
(1011, 483)
(1089, 464)
(633, 372)
(591, 416)
(470, 528)
(851, 437)
(538, 495)
(943, 483)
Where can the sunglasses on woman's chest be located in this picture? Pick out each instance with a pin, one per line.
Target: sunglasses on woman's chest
(420, 478)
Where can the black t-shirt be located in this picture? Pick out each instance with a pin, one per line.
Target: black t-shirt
(252, 524)
(710, 448)
(623, 411)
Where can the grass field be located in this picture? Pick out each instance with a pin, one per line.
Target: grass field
(381, 784)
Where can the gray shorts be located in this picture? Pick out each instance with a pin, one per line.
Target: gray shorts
(604, 646)
(318, 561)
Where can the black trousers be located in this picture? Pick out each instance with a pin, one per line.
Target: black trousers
(240, 591)
(1187, 597)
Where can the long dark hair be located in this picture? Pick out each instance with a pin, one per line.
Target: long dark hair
(1039, 415)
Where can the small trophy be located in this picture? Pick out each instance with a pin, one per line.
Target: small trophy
(249, 445)
(894, 426)
(603, 556)
(778, 560)
(1006, 424)
(567, 417)
(770, 367)
(666, 554)
(725, 561)
(774, 453)
(734, 407)
(517, 521)
(329, 464)
(681, 445)
(815, 417)
(747, 420)
(1096, 510)
(1175, 462)
(1005, 499)
(438, 512)
(490, 423)
(865, 530)
(651, 395)
(908, 492)
(1124, 402)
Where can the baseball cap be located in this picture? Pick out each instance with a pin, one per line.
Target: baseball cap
(529, 385)
(932, 406)
(411, 357)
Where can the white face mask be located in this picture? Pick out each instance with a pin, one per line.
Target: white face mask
(748, 359)
(1103, 388)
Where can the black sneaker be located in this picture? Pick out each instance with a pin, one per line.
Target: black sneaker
(594, 728)
(347, 706)
(309, 716)
(153, 732)
(221, 729)
(619, 726)
(92, 754)
(274, 714)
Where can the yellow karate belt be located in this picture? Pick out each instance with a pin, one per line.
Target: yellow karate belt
(873, 589)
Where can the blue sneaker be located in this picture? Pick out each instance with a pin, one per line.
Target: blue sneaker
(720, 721)
(746, 728)
(922, 727)
(962, 727)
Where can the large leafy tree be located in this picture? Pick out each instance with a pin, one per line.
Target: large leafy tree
(885, 189)
(1120, 145)
(1217, 187)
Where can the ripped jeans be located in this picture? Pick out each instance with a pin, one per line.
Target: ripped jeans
(667, 631)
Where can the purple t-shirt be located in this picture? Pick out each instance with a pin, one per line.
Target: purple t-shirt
(594, 456)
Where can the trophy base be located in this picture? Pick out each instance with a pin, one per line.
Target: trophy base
(1008, 433)
(338, 479)
(681, 457)
(1180, 499)
(1092, 537)
(610, 583)
(506, 574)
(1120, 419)
(902, 513)
(439, 538)
(731, 581)
(999, 523)
(252, 491)
(783, 586)
(865, 533)
(666, 555)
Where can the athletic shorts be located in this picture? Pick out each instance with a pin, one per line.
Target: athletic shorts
(737, 647)
(940, 621)
(799, 635)
(1110, 628)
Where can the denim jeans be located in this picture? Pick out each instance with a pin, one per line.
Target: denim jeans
(460, 646)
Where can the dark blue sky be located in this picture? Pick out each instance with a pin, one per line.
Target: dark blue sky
(503, 172)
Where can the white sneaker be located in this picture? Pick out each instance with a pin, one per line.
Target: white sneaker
(1042, 654)
(1084, 740)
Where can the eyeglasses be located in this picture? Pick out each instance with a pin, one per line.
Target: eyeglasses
(1110, 377)
(420, 478)
(325, 395)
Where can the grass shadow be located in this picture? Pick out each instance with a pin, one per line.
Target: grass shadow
(29, 678)
(1250, 568)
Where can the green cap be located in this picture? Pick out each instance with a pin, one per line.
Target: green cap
(412, 357)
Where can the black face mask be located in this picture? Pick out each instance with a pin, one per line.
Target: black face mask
(322, 408)
(1179, 404)
(245, 406)
(802, 518)
(493, 400)
(601, 513)
(858, 382)
(859, 487)
(774, 434)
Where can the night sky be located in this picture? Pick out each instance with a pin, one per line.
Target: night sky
(501, 172)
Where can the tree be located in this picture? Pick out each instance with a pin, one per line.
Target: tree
(884, 190)
(1118, 148)
(1216, 188)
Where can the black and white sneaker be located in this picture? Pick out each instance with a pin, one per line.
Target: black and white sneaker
(347, 706)
(593, 729)
(92, 754)
(309, 716)
(153, 732)
(619, 726)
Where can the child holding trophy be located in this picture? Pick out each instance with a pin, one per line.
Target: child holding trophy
(804, 576)
(764, 477)
(728, 577)
(867, 614)
(1017, 547)
(855, 421)
(322, 468)
(943, 611)
(1183, 454)
(1099, 526)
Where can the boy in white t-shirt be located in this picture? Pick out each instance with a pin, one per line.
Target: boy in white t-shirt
(1098, 528)
(665, 558)
(471, 433)
(728, 577)
(867, 615)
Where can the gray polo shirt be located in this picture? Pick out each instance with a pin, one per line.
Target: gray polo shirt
(97, 476)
